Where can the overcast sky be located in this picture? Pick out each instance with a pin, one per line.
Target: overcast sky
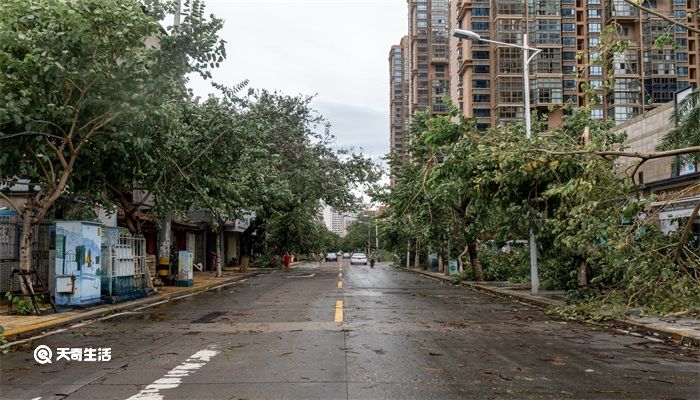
(335, 49)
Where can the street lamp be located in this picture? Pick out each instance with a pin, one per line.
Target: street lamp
(527, 57)
(475, 37)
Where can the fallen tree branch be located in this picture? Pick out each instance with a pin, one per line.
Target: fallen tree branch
(631, 154)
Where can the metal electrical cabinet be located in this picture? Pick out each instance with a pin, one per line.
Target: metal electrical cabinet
(123, 265)
(185, 269)
(78, 256)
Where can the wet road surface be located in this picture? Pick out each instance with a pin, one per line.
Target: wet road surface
(397, 336)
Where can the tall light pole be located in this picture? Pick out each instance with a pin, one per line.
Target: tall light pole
(527, 57)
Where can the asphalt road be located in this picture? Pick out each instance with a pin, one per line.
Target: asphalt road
(401, 337)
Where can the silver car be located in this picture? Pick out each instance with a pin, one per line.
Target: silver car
(358, 258)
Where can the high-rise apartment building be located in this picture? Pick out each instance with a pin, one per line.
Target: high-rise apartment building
(486, 79)
(419, 69)
(428, 55)
(398, 94)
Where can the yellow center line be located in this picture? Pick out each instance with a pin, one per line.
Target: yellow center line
(339, 311)
(340, 284)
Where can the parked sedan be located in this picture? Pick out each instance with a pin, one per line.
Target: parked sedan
(358, 258)
(331, 257)
(346, 255)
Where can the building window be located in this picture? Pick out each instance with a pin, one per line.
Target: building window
(595, 84)
(422, 16)
(683, 71)
(569, 84)
(622, 114)
(548, 90)
(681, 56)
(568, 27)
(480, 83)
(480, 55)
(480, 26)
(422, 7)
(593, 42)
(480, 12)
(567, 12)
(594, 28)
(597, 113)
(481, 69)
(422, 24)
(568, 41)
(595, 70)
(571, 98)
(594, 13)
(679, 14)
(481, 98)
(568, 69)
(568, 56)
(548, 32)
(482, 112)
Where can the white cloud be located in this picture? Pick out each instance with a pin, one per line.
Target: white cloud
(335, 49)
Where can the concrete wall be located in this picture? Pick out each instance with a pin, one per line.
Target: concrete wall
(644, 133)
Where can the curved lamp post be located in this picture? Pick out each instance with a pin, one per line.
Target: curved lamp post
(527, 57)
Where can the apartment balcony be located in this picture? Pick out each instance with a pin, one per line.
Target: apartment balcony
(467, 63)
(621, 10)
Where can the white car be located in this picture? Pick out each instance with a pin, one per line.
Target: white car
(358, 258)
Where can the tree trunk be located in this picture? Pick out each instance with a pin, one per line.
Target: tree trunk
(219, 248)
(245, 261)
(473, 257)
(581, 271)
(416, 258)
(460, 259)
(25, 247)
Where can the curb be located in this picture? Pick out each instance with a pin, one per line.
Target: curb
(111, 309)
(621, 325)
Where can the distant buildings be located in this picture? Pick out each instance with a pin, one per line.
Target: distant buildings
(337, 222)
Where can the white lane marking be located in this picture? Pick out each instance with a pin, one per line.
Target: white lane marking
(173, 378)
(340, 275)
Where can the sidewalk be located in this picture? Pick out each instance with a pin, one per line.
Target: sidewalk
(15, 325)
(680, 330)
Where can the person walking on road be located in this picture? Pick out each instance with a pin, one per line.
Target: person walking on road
(287, 260)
